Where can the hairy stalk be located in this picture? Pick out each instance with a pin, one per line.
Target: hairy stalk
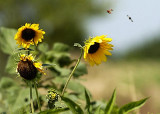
(39, 105)
(31, 99)
(70, 76)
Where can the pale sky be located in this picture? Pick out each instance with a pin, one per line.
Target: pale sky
(127, 34)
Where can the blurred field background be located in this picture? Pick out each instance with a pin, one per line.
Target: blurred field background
(134, 67)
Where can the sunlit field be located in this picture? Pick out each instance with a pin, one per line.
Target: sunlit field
(132, 79)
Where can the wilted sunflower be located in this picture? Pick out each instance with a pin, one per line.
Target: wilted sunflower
(96, 49)
(29, 34)
(27, 68)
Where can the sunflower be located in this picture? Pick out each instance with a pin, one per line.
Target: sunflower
(29, 34)
(28, 68)
(96, 49)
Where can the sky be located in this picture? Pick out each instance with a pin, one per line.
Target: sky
(126, 34)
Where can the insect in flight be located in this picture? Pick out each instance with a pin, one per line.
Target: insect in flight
(109, 11)
(129, 18)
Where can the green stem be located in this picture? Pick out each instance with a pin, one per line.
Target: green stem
(70, 76)
(31, 99)
(28, 52)
(39, 105)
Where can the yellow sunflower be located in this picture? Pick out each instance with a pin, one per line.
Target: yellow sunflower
(96, 49)
(27, 68)
(29, 34)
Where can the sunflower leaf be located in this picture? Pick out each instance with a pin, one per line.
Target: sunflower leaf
(87, 101)
(81, 70)
(43, 47)
(110, 104)
(131, 106)
(54, 111)
(7, 42)
(75, 108)
(60, 47)
(11, 64)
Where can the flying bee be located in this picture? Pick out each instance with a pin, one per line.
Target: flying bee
(109, 11)
(129, 18)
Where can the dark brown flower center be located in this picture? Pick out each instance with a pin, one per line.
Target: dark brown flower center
(28, 34)
(27, 70)
(93, 48)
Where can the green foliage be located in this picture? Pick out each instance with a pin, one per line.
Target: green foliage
(14, 97)
(74, 107)
(81, 70)
(6, 83)
(110, 104)
(88, 102)
(132, 106)
(59, 47)
(7, 42)
(54, 111)
(43, 47)
(12, 63)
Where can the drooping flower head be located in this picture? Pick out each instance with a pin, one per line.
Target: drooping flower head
(27, 68)
(29, 34)
(96, 49)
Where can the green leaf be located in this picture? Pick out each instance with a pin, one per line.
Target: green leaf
(75, 108)
(61, 71)
(80, 70)
(78, 45)
(23, 110)
(6, 83)
(74, 84)
(9, 91)
(111, 102)
(54, 111)
(87, 101)
(43, 47)
(12, 64)
(132, 106)
(21, 99)
(7, 42)
(60, 47)
(64, 60)
(99, 111)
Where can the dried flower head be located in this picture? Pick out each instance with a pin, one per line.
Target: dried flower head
(27, 68)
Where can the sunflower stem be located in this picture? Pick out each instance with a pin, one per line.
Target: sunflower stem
(39, 105)
(31, 99)
(71, 74)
